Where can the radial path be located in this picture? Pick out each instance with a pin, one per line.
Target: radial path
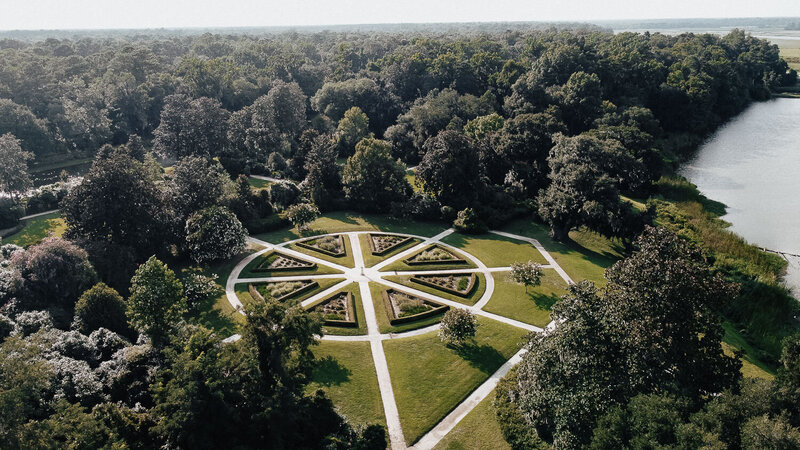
(363, 275)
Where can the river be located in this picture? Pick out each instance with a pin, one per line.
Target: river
(752, 165)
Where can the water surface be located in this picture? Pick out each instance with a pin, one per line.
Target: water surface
(752, 165)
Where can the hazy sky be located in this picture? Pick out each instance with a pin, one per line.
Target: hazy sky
(50, 14)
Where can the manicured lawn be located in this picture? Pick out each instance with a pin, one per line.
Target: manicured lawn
(323, 284)
(752, 367)
(257, 183)
(430, 379)
(339, 221)
(383, 317)
(584, 257)
(532, 306)
(473, 298)
(370, 259)
(353, 289)
(494, 250)
(37, 229)
(248, 272)
(346, 373)
(402, 266)
(346, 260)
(477, 431)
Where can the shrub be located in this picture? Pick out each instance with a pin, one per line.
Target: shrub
(213, 234)
(73, 344)
(468, 222)
(301, 215)
(30, 322)
(199, 288)
(425, 207)
(106, 342)
(276, 162)
(457, 326)
(10, 212)
(7, 327)
(101, 307)
(283, 194)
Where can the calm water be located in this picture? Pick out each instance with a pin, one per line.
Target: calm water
(752, 165)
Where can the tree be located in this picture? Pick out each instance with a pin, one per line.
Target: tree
(334, 98)
(372, 179)
(191, 127)
(156, 304)
(353, 127)
(457, 326)
(481, 127)
(198, 183)
(301, 215)
(101, 307)
(119, 203)
(14, 178)
(199, 288)
(53, 273)
(527, 273)
(213, 234)
(450, 170)
(31, 131)
(467, 221)
(581, 191)
(580, 99)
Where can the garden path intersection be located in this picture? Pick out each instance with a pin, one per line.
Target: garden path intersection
(363, 276)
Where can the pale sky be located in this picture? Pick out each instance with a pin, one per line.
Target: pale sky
(72, 14)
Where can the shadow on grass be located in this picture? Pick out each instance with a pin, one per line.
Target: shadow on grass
(205, 314)
(329, 372)
(312, 232)
(482, 357)
(544, 301)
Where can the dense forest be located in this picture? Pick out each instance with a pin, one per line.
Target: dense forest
(558, 125)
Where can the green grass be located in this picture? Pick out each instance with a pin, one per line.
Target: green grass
(411, 177)
(248, 272)
(532, 306)
(429, 378)
(752, 367)
(346, 260)
(790, 51)
(477, 431)
(400, 265)
(323, 284)
(473, 298)
(258, 184)
(383, 317)
(370, 259)
(340, 221)
(585, 257)
(37, 229)
(494, 250)
(346, 373)
(362, 324)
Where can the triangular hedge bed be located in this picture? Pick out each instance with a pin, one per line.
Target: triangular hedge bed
(460, 284)
(381, 244)
(434, 254)
(327, 245)
(338, 310)
(302, 286)
(418, 308)
(279, 262)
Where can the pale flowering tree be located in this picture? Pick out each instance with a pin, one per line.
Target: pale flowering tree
(457, 326)
(214, 234)
(527, 273)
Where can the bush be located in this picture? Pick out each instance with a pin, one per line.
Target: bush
(106, 342)
(7, 327)
(276, 162)
(301, 215)
(10, 212)
(457, 326)
(101, 307)
(468, 222)
(269, 223)
(214, 234)
(30, 322)
(198, 288)
(425, 207)
(73, 344)
(283, 194)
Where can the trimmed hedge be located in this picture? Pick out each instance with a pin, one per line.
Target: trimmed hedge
(393, 320)
(351, 306)
(390, 249)
(473, 283)
(254, 291)
(266, 261)
(303, 244)
(456, 259)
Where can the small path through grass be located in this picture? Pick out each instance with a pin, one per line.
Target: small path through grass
(372, 278)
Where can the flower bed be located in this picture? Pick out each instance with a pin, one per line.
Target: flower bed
(461, 285)
(338, 310)
(281, 290)
(381, 244)
(404, 308)
(435, 254)
(278, 262)
(327, 245)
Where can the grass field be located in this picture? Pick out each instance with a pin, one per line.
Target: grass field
(346, 373)
(257, 183)
(346, 260)
(351, 221)
(473, 298)
(752, 367)
(494, 250)
(383, 318)
(477, 431)
(362, 324)
(530, 306)
(370, 259)
(790, 51)
(430, 379)
(37, 229)
(584, 257)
